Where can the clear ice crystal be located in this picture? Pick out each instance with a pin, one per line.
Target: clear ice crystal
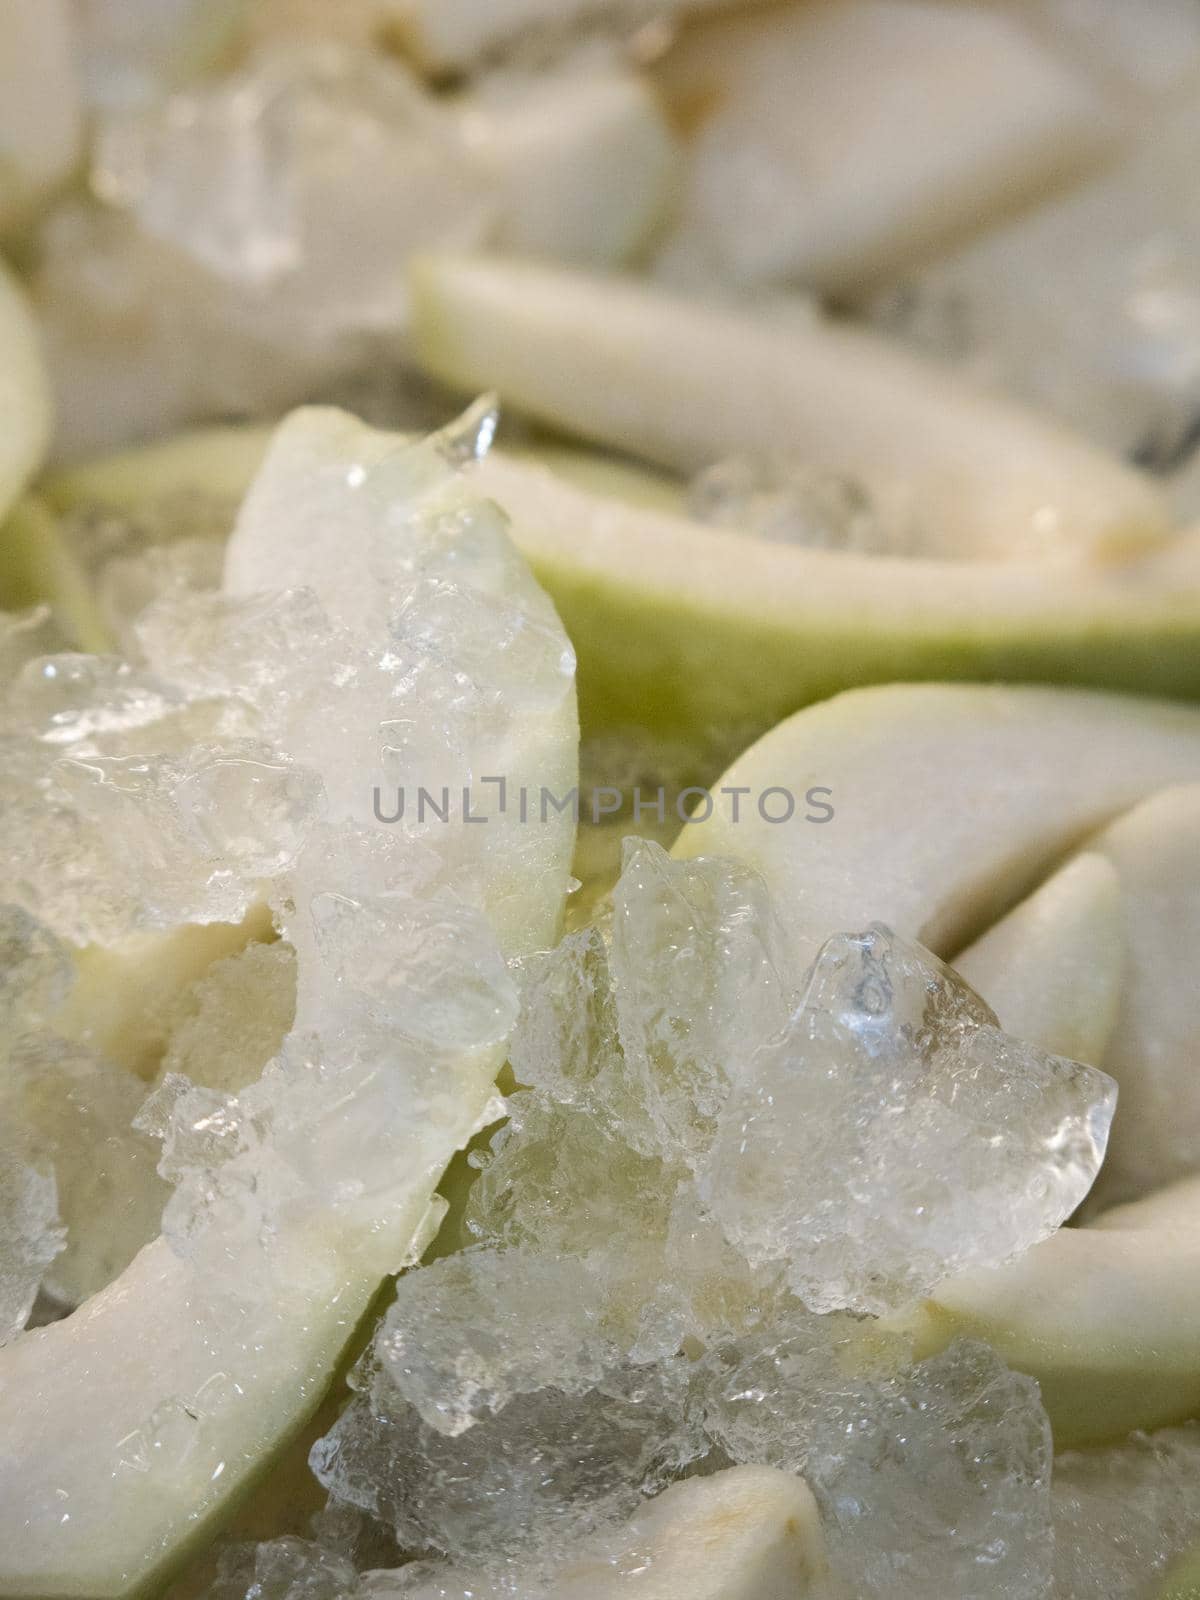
(787, 501)
(893, 1135)
(938, 1482)
(30, 1238)
(234, 1019)
(700, 970)
(551, 1466)
(1124, 1513)
(283, 1569)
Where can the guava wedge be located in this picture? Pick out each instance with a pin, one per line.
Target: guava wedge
(134, 1426)
(1155, 851)
(881, 133)
(951, 802)
(1175, 1208)
(26, 412)
(683, 382)
(1107, 1321)
(41, 109)
(39, 565)
(748, 1533)
(651, 599)
(1051, 969)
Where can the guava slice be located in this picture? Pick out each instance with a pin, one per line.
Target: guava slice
(26, 413)
(1155, 851)
(1107, 1321)
(1174, 1208)
(840, 143)
(651, 599)
(133, 1426)
(950, 801)
(683, 382)
(1051, 969)
(41, 110)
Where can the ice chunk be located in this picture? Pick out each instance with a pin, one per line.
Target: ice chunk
(701, 973)
(283, 1569)
(550, 1466)
(1123, 1514)
(892, 1135)
(30, 1238)
(234, 1019)
(24, 635)
(787, 501)
(938, 1482)
(71, 1113)
(931, 1479)
(35, 973)
(469, 1332)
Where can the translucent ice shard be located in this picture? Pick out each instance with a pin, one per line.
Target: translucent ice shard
(30, 1238)
(1122, 1514)
(700, 970)
(892, 1134)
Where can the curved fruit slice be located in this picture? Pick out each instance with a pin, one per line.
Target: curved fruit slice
(195, 1369)
(878, 132)
(26, 415)
(1051, 969)
(39, 565)
(684, 383)
(651, 601)
(950, 801)
(1152, 1054)
(1173, 1209)
(41, 111)
(220, 462)
(1107, 1322)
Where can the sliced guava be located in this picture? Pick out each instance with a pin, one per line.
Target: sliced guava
(1174, 1208)
(26, 410)
(1155, 851)
(950, 801)
(876, 133)
(651, 599)
(683, 382)
(41, 109)
(1051, 969)
(39, 565)
(1108, 1322)
(133, 1426)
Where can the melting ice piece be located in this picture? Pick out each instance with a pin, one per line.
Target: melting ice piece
(786, 501)
(700, 971)
(30, 1238)
(937, 1482)
(1123, 1514)
(932, 1479)
(550, 1466)
(892, 1134)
